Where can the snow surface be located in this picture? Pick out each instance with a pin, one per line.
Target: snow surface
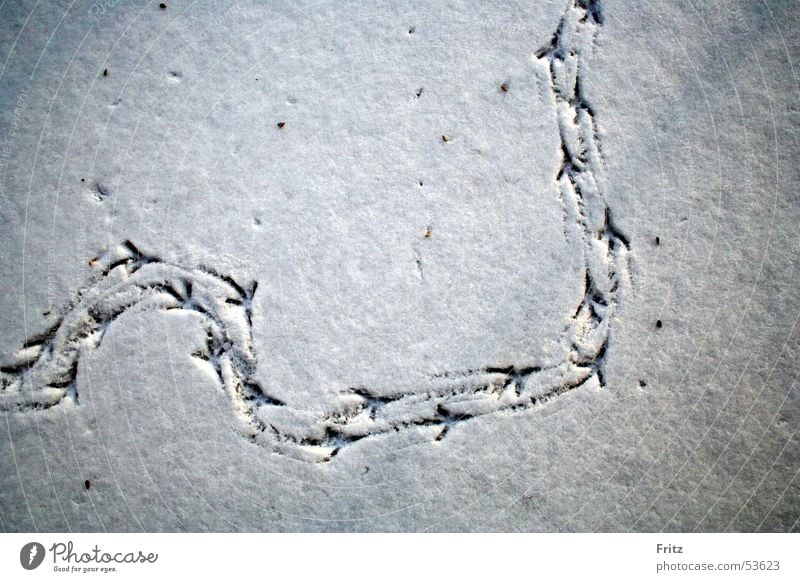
(415, 266)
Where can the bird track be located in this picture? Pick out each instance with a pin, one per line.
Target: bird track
(44, 372)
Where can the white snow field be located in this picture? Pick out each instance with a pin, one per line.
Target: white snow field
(410, 266)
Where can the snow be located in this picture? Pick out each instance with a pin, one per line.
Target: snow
(329, 267)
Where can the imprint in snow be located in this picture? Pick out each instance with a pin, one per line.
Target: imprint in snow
(44, 372)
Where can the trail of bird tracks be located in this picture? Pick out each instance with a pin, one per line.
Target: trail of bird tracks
(44, 371)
